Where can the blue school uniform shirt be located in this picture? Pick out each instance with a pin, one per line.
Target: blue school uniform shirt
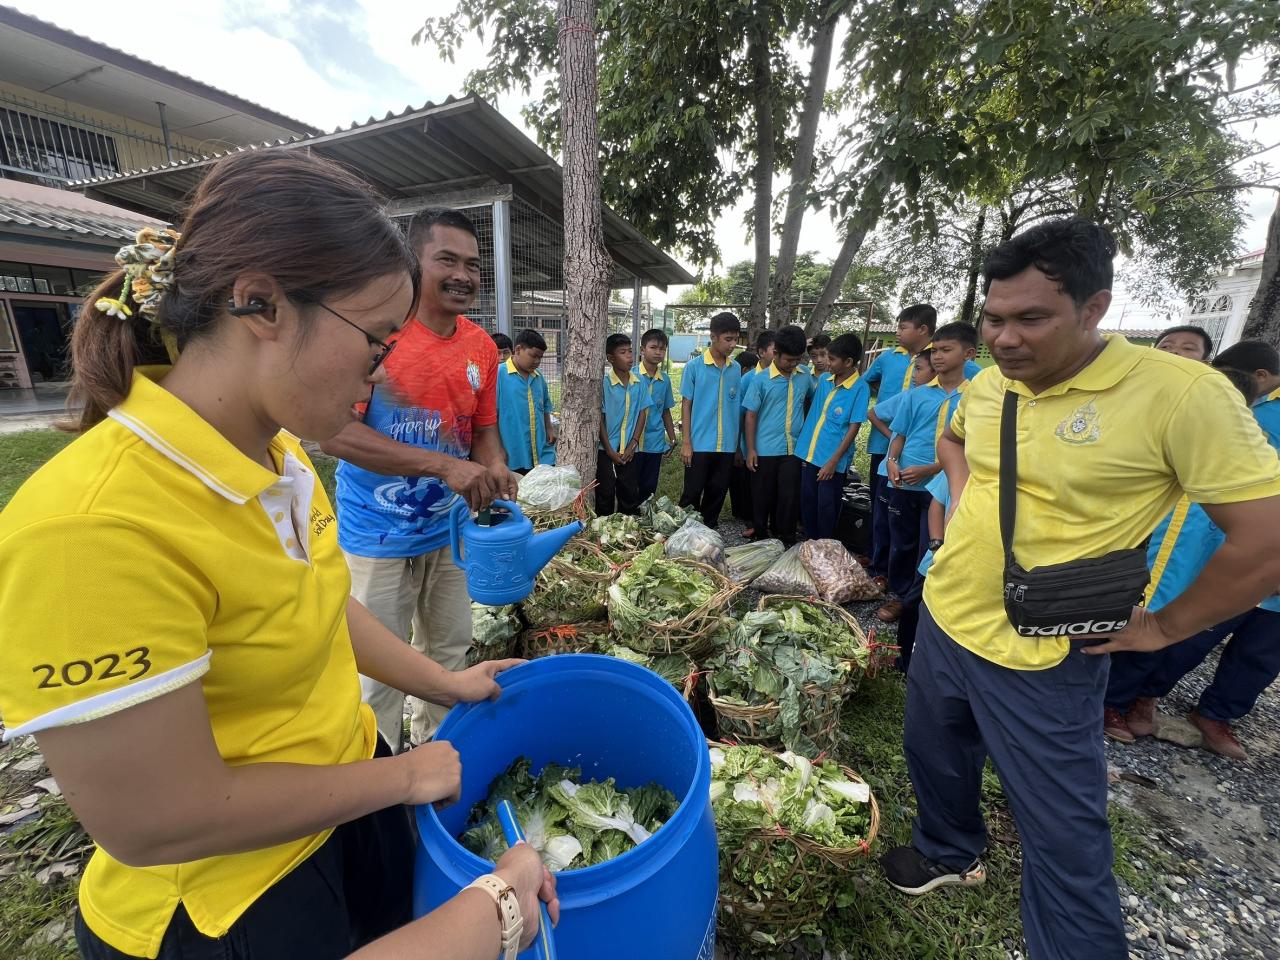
(622, 405)
(522, 408)
(940, 490)
(920, 416)
(890, 374)
(661, 398)
(835, 407)
(1267, 412)
(1179, 548)
(715, 395)
(778, 403)
(746, 385)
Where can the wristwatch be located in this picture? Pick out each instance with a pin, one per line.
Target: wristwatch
(504, 895)
(934, 544)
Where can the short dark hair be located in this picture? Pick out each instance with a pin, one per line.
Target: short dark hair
(501, 341)
(820, 341)
(846, 346)
(1190, 328)
(422, 222)
(725, 323)
(747, 360)
(1073, 252)
(650, 336)
(965, 333)
(530, 338)
(1244, 381)
(924, 354)
(764, 339)
(616, 341)
(1249, 355)
(790, 340)
(920, 315)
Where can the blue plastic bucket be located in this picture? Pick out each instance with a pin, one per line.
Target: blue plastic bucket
(613, 719)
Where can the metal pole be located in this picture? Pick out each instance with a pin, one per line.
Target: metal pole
(502, 293)
(164, 130)
(636, 290)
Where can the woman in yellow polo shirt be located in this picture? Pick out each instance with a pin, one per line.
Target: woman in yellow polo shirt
(178, 631)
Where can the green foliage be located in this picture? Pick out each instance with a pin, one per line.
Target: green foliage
(653, 588)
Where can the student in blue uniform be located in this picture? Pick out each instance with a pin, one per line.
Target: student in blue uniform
(774, 406)
(524, 405)
(740, 483)
(889, 375)
(626, 408)
(837, 410)
(912, 458)
(504, 345)
(660, 430)
(1262, 362)
(710, 406)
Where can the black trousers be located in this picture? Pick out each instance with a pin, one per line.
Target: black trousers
(618, 486)
(775, 497)
(357, 887)
(706, 481)
(740, 494)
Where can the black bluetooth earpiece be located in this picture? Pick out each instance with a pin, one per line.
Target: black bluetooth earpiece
(255, 305)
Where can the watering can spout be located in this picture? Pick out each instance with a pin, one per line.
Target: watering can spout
(543, 546)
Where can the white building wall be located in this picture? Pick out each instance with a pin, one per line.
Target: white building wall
(1223, 308)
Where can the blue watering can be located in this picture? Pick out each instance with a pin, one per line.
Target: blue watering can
(502, 558)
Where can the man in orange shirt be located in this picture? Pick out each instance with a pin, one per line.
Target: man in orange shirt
(427, 437)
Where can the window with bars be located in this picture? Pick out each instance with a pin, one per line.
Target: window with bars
(52, 152)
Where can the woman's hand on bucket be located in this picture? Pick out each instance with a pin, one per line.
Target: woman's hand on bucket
(523, 869)
(478, 683)
(434, 773)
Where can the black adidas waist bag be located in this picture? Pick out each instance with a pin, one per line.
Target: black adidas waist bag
(1076, 598)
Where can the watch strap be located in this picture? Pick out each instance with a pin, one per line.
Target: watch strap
(504, 895)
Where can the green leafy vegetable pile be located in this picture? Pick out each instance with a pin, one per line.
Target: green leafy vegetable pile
(664, 517)
(671, 667)
(774, 654)
(492, 631)
(656, 589)
(570, 823)
(619, 536)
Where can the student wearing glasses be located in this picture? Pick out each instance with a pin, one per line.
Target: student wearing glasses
(427, 437)
(179, 632)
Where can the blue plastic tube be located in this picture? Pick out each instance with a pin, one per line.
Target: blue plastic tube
(544, 945)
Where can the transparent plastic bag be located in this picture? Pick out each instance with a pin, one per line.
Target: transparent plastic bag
(545, 488)
(839, 577)
(786, 575)
(696, 541)
(746, 562)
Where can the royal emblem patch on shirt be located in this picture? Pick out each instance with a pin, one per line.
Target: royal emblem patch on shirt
(1081, 426)
(473, 375)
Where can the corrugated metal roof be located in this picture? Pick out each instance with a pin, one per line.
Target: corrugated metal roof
(456, 145)
(25, 216)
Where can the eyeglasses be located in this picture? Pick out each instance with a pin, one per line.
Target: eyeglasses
(385, 348)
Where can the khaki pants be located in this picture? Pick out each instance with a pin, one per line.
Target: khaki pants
(429, 594)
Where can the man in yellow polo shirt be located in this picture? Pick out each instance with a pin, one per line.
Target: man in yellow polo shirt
(1109, 436)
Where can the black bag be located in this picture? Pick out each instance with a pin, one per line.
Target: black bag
(1092, 596)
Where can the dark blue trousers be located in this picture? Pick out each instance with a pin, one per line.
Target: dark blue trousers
(1041, 729)
(879, 518)
(908, 536)
(648, 470)
(819, 502)
(1250, 663)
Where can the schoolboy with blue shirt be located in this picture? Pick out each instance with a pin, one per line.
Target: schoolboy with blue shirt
(774, 404)
(524, 405)
(740, 482)
(660, 430)
(912, 459)
(939, 503)
(710, 407)
(626, 407)
(837, 410)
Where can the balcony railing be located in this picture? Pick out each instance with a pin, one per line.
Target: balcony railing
(53, 147)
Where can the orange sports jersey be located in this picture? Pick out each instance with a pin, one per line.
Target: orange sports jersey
(439, 390)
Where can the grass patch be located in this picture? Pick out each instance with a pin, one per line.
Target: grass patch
(28, 907)
(21, 454)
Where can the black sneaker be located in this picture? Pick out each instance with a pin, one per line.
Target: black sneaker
(910, 871)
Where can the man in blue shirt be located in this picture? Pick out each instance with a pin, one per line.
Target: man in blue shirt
(838, 409)
(660, 430)
(775, 404)
(625, 406)
(889, 375)
(710, 405)
(524, 405)
(912, 459)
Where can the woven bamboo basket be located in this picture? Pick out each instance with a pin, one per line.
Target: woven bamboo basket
(567, 638)
(497, 651)
(553, 519)
(844, 856)
(565, 566)
(840, 616)
(693, 634)
(762, 724)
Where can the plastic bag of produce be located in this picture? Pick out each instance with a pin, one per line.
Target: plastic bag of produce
(746, 562)
(696, 541)
(546, 488)
(838, 576)
(663, 516)
(787, 575)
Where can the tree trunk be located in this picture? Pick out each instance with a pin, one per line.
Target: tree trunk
(802, 169)
(855, 233)
(975, 265)
(762, 218)
(1264, 315)
(587, 265)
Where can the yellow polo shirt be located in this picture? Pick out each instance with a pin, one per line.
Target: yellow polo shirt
(148, 554)
(1102, 458)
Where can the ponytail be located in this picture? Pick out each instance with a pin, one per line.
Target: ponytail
(104, 351)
